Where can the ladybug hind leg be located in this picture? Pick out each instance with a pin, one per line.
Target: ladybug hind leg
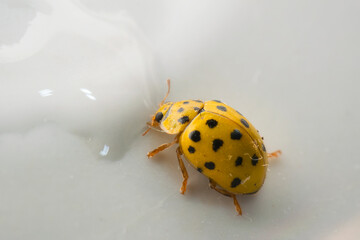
(213, 185)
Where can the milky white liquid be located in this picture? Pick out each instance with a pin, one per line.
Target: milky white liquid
(84, 73)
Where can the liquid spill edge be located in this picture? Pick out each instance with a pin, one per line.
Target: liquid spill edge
(87, 74)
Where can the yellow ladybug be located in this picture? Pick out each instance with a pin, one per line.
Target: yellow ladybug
(218, 141)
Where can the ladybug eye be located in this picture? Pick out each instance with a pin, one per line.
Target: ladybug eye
(159, 116)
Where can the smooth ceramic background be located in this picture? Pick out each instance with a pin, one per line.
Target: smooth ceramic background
(79, 79)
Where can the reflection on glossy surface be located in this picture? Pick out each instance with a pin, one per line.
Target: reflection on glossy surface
(45, 92)
(105, 150)
(88, 93)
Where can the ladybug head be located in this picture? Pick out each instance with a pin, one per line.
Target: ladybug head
(160, 113)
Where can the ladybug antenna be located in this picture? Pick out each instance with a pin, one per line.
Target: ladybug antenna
(146, 131)
(167, 94)
(150, 126)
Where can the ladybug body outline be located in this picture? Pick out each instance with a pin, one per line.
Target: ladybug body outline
(216, 140)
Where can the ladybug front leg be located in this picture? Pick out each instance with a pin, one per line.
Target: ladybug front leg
(161, 148)
(213, 185)
(274, 154)
(183, 170)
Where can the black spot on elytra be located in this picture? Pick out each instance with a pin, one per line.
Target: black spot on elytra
(238, 161)
(196, 108)
(159, 116)
(195, 136)
(180, 110)
(217, 143)
(191, 149)
(236, 135)
(198, 101)
(222, 108)
(211, 123)
(199, 169)
(217, 101)
(183, 119)
(210, 165)
(244, 122)
(186, 102)
(235, 182)
(263, 148)
(254, 160)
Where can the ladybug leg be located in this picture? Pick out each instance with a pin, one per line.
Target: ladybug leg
(213, 185)
(161, 148)
(183, 171)
(274, 154)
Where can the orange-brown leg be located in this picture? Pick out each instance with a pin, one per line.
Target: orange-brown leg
(213, 185)
(161, 148)
(183, 171)
(274, 154)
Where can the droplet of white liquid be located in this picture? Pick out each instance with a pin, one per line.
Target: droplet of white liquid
(75, 56)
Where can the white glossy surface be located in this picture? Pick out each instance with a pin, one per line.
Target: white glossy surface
(78, 83)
